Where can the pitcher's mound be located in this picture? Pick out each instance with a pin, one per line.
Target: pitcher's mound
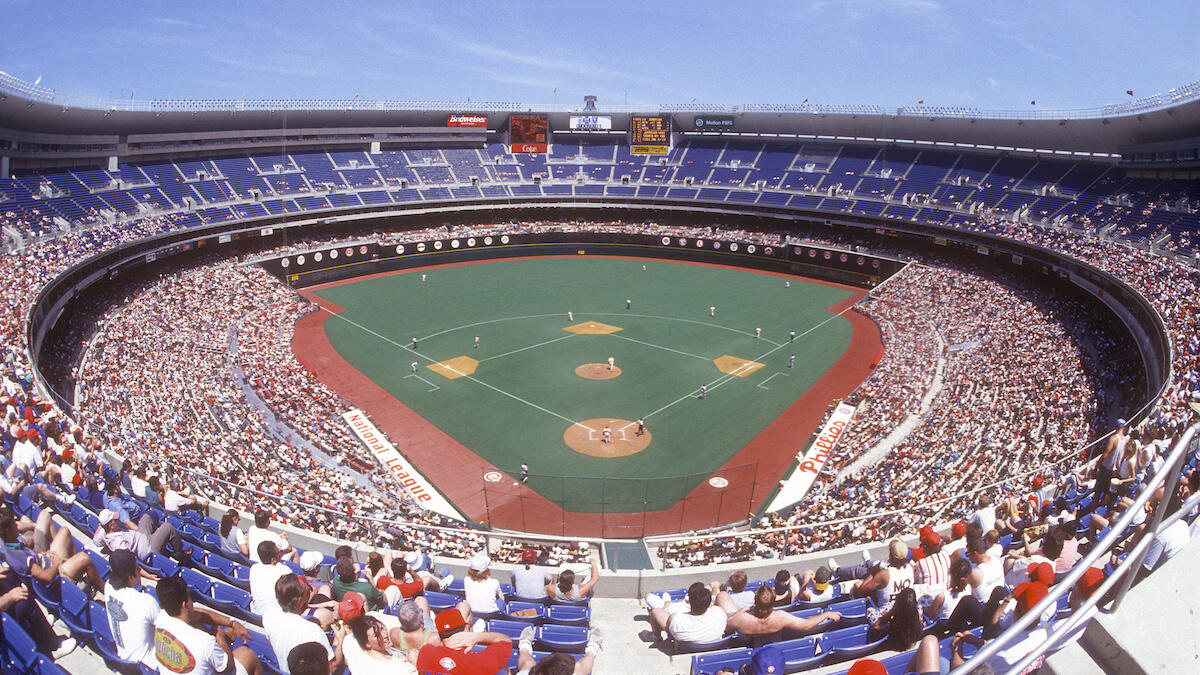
(587, 437)
(597, 371)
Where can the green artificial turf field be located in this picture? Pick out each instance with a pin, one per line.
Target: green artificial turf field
(524, 393)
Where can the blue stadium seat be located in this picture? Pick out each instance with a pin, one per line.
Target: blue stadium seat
(853, 612)
(848, 643)
(569, 639)
(439, 601)
(18, 651)
(569, 615)
(74, 611)
(689, 647)
(514, 610)
(800, 653)
(505, 627)
(706, 664)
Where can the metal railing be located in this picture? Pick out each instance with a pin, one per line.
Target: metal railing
(10, 84)
(1122, 577)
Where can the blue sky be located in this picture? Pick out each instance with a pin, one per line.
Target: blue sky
(994, 55)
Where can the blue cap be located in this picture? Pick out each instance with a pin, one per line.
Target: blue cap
(766, 660)
(1121, 422)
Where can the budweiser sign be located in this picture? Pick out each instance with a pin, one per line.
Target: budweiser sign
(466, 121)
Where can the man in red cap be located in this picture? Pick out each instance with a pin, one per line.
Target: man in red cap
(454, 655)
(932, 567)
(528, 580)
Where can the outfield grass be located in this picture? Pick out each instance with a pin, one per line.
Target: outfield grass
(525, 394)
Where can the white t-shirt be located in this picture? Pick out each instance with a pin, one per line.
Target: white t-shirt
(131, 615)
(174, 500)
(262, 585)
(530, 583)
(986, 518)
(1019, 572)
(184, 650)
(707, 627)
(257, 535)
(285, 631)
(481, 595)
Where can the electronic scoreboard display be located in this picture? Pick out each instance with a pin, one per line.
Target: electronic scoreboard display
(649, 134)
(529, 134)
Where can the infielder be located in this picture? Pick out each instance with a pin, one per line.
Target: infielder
(611, 361)
(792, 361)
(524, 472)
(791, 336)
(703, 390)
(641, 426)
(757, 332)
(414, 344)
(414, 367)
(476, 342)
(570, 315)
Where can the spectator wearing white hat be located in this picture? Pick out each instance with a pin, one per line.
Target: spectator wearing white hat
(114, 535)
(483, 594)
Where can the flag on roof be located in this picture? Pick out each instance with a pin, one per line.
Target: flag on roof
(921, 101)
(1129, 91)
(1033, 103)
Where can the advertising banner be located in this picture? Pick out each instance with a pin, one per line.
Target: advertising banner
(591, 122)
(713, 123)
(798, 482)
(459, 120)
(395, 464)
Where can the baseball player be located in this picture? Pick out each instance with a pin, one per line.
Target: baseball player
(414, 367)
(607, 434)
(703, 390)
(414, 343)
(757, 332)
(628, 302)
(524, 472)
(787, 284)
(791, 336)
(611, 361)
(792, 361)
(712, 310)
(641, 426)
(476, 342)
(422, 277)
(570, 315)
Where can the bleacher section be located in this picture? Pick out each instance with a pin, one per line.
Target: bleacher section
(899, 183)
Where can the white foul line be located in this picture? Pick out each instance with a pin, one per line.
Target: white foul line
(668, 349)
(515, 351)
(479, 382)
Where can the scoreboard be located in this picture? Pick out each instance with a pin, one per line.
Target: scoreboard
(649, 134)
(529, 133)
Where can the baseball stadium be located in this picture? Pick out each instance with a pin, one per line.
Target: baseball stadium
(903, 389)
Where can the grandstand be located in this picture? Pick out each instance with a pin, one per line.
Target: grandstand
(150, 296)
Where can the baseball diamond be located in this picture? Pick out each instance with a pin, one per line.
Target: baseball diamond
(540, 389)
